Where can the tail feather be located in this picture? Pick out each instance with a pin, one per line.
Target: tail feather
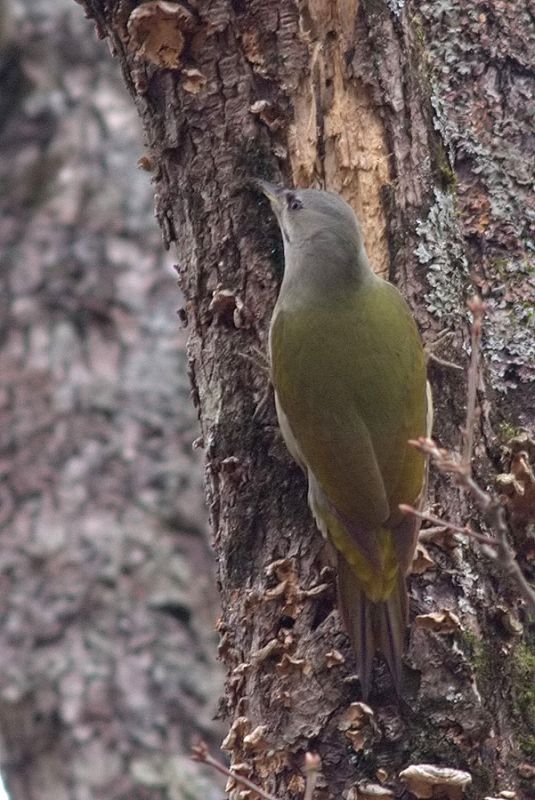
(355, 611)
(373, 626)
(391, 616)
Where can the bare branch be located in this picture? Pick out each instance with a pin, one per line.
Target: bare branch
(200, 753)
(505, 555)
(449, 462)
(490, 507)
(477, 307)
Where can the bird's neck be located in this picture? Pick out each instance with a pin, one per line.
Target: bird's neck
(320, 270)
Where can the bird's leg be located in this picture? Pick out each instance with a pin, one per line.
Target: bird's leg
(263, 402)
(431, 347)
(260, 361)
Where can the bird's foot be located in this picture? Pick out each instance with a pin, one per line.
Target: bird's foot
(431, 347)
(260, 361)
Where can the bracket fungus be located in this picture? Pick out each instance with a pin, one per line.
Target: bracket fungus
(156, 31)
(426, 780)
(443, 621)
(357, 724)
(373, 791)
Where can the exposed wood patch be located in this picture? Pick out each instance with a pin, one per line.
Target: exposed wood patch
(337, 139)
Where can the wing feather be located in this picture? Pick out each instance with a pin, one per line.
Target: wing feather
(352, 409)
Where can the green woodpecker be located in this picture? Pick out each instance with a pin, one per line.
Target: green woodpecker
(349, 374)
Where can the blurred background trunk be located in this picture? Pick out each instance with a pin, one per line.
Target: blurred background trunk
(418, 113)
(108, 600)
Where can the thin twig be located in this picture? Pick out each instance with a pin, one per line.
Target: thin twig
(441, 523)
(425, 534)
(200, 753)
(477, 307)
(494, 513)
(311, 770)
(446, 525)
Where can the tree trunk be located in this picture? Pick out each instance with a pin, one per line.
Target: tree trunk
(415, 112)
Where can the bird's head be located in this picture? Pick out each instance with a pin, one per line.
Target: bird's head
(310, 215)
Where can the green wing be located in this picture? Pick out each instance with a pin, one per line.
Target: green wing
(350, 377)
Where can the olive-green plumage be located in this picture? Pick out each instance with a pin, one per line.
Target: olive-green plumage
(349, 374)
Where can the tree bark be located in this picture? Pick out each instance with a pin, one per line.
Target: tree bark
(404, 108)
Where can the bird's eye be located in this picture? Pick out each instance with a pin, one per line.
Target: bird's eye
(294, 202)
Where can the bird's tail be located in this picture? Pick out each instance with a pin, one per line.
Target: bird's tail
(372, 625)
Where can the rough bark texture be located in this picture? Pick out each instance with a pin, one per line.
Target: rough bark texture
(349, 96)
(107, 650)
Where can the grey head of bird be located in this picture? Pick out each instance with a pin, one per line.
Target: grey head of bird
(321, 234)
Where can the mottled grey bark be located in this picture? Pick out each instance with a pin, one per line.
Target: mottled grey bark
(108, 602)
(365, 99)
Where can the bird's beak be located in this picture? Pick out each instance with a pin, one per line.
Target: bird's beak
(273, 193)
